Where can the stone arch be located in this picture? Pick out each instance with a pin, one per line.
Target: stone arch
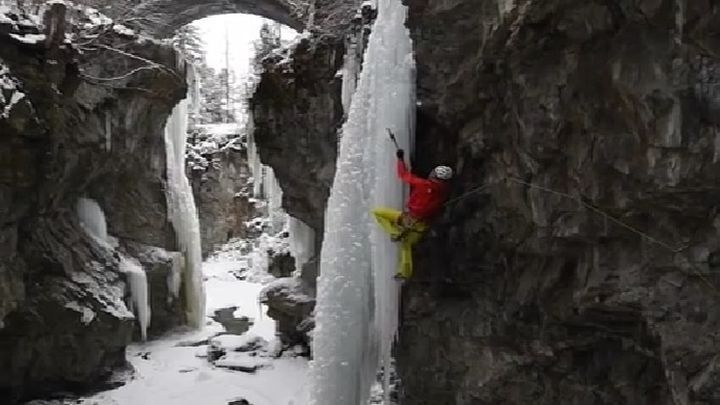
(163, 17)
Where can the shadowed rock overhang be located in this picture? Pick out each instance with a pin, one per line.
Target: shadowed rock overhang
(163, 17)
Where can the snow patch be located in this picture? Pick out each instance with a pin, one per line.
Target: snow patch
(123, 30)
(242, 362)
(169, 371)
(86, 314)
(14, 99)
(10, 94)
(235, 342)
(96, 18)
(28, 38)
(290, 287)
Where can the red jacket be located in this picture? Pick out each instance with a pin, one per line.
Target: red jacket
(427, 196)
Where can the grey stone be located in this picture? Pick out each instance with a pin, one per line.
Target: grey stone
(527, 296)
(220, 183)
(281, 264)
(291, 306)
(233, 325)
(64, 323)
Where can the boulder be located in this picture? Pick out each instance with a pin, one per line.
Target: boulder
(291, 307)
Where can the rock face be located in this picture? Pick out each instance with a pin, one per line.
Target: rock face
(77, 125)
(296, 112)
(219, 174)
(585, 273)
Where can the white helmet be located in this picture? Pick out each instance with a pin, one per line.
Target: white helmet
(442, 173)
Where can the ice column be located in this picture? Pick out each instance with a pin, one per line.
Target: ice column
(183, 214)
(357, 304)
(137, 280)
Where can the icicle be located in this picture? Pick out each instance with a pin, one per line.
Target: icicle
(302, 242)
(254, 160)
(92, 218)
(193, 88)
(273, 194)
(349, 76)
(137, 281)
(358, 299)
(183, 214)
(174, 279)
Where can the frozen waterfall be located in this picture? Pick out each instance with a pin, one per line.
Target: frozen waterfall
(92, 218)
(357, 304)
(183, 214)
(137, 280)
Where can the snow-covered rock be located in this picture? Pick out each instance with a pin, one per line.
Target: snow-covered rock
(217, 166)
(10, 92)
(242, 362)
(291, 305)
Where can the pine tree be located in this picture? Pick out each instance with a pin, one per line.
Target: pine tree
(213, 103)
(188, 42)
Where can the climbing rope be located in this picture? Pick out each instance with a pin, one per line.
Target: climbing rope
(592, 208)
(469, 193)
(596, 210)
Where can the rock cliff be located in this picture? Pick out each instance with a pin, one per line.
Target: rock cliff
(578, 266)
(79, 121)
(585, 271)
(218, 170)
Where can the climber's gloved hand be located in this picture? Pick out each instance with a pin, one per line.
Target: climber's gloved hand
(400, 154)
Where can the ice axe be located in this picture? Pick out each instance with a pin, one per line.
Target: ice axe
(392, 138)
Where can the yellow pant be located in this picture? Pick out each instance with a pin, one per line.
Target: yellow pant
(411, 234)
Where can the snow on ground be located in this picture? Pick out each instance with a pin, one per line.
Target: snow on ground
(167, 373)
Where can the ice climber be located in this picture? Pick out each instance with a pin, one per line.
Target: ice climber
(427, 198)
